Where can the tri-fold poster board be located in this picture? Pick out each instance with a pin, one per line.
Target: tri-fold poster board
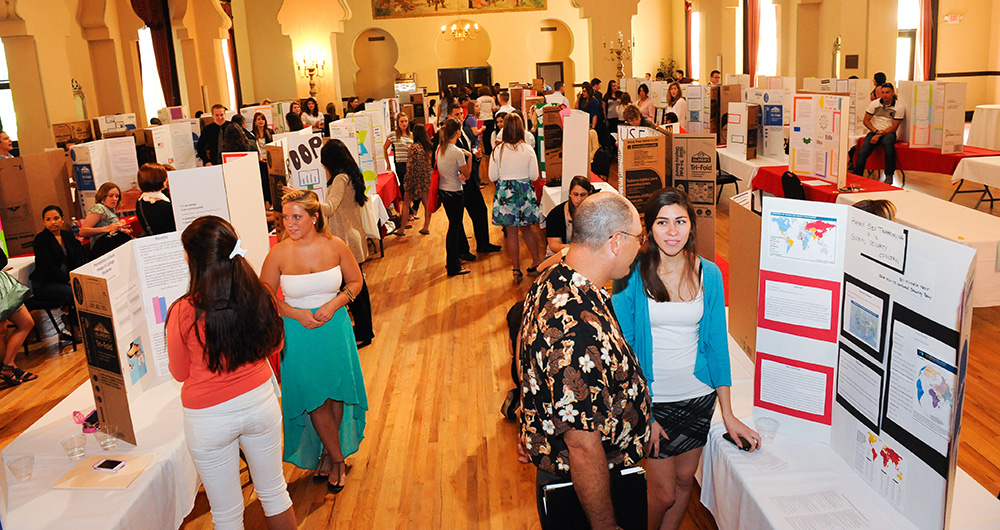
(123, 297)
(935, 115)
(818, 140)
(862, 341)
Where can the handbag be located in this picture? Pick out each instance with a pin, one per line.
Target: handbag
(12, 295)
(432, 196)
(560, 508)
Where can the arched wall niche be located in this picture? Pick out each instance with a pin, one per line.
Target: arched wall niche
(375, 55)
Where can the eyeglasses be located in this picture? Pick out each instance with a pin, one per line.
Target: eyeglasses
(641, 237)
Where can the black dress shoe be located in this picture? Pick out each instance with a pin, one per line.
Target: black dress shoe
(489, 248)
(459, 272)
(468, 256)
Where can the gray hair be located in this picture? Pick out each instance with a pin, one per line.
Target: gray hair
(599, 217)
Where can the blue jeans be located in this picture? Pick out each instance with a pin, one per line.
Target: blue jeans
(888, 143)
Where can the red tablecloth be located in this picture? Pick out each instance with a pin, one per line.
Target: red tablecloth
(922, 158)
(769, 179)
(387, 188)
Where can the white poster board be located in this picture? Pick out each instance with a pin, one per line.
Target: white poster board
(122, 299)
(738, 127)
(699, 100)
(862, 343)
(249, 112)
(935, 115)
(771, 133)
(738, 79)
(379, 131)
(575, 148)
(116, 123)
(172, 114)
(231, 191)
(366, 146)
(175, 143)
(108, 160)
(818, 141)
(303, 168)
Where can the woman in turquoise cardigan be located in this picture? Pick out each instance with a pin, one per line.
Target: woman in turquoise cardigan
(672, 312)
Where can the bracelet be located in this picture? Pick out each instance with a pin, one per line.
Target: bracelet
(350, 295)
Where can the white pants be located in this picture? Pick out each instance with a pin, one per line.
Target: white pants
(214, 436)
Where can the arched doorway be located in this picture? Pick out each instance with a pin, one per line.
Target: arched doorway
(375, 54)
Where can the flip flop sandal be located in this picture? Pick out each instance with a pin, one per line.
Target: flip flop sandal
(319, 477)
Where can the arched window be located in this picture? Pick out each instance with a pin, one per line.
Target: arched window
(152, 91)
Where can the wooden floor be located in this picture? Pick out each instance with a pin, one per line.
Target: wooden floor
(437, 452)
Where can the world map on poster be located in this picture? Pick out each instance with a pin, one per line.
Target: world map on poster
(803, 237)
(423, 8)
(935, 396)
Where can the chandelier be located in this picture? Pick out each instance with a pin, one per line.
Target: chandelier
(460, 30)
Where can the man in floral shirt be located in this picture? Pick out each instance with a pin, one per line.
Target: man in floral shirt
(584, 401)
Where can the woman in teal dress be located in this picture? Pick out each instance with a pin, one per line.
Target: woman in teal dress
(323, 391)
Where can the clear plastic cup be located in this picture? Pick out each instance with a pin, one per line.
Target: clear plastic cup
(767, 428)
(21, 467)
(107, 436)
(75, 446)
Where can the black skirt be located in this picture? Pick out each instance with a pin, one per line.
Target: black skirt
(685, 422)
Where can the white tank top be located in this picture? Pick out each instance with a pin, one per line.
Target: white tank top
(309, 291)
(674, 327)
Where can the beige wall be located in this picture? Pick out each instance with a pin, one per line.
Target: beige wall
(508, 35)
(93, 41)
(971, 45)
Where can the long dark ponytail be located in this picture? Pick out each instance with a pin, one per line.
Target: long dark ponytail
(242, 324)
(337, 159)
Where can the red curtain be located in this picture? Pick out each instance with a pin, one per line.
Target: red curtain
(752, 38)
(924, 41)
(155, 14)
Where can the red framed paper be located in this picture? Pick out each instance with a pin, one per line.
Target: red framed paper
(825, 418)
(827, 334)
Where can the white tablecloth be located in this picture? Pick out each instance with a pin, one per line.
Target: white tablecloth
(737, 165)
(985, 128)
(981, 169)
(739, 494)
(550, 196)
(958, 223)
(19, 268)
(159, 498)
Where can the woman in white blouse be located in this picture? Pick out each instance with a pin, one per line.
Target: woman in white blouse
(677, 104)
(513, 167)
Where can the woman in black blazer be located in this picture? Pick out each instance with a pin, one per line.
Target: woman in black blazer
(57, 251)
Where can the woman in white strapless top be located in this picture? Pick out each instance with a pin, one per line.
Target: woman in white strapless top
(323, 390)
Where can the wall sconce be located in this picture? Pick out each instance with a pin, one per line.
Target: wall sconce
(308, 68)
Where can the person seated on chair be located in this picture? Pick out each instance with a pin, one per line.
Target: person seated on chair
(57, 251)
(559, 222)
(882, 118)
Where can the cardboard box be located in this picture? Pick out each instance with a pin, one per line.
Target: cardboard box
(744, 268)
(73, 132)
(552, 129)
(538, 85)
(693, 169)
(645, 162)
(28, 184)
(275, 160)
(743, 126)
